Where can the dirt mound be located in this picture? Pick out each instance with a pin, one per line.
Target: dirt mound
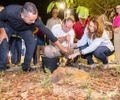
(65, 73)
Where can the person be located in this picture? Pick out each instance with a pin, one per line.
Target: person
(95, 41)
(22, 20)
(15, 49)
(54, 19)
(80, 26)
(39, 46)
(106, 24)
(116, 28)
(65, 34)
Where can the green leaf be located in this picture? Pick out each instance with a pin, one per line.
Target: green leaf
(66, 1)
(68, 5)
(71, 1)
(50, 6)
(82, 11)
(57, 4)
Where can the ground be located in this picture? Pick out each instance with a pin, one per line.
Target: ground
(66, 83)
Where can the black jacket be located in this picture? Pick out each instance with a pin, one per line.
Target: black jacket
(11, 16)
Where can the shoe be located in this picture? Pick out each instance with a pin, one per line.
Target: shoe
(7, 67)
(28, 69)
(105, 66)
(93, 66)
(2, 69)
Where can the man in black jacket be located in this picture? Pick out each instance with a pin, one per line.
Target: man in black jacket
(22, 20)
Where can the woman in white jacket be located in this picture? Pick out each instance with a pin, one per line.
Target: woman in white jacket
(95, 41)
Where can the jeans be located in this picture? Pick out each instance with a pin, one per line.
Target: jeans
(16, 49)
(87, 56)
(30, 42)
(3, 54)
(102, 52)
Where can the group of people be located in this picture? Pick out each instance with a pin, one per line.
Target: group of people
(86, 37)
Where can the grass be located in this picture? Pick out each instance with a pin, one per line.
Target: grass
(45, 80)
(118, 70)
(89, 93)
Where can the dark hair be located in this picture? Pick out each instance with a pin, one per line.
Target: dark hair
(54, 8)
(68, 19)
(29, 7)
(115, 9)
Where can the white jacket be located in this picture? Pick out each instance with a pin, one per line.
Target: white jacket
(94, 44)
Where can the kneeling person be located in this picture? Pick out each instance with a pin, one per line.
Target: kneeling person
(65, 34)
(95, 41)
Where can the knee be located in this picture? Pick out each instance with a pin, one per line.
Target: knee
(97, 53)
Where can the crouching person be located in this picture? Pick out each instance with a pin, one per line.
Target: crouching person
(65, 34)
(95, 41)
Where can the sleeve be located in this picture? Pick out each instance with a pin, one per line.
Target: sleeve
(45, 30)
(55, 30)
(3, 16)
(95, 44)
(83, 40)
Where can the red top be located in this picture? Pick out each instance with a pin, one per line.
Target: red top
(79, 28)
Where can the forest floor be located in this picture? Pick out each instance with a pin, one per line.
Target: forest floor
(65, 83)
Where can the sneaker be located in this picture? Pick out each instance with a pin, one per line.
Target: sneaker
(105, 66)
(93, 66)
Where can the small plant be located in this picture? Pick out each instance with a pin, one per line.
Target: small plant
(2, 74)
(89, 94)
(45, 80)
(85, 86)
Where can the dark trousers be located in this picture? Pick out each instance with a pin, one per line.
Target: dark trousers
(101, 53)
(3, 54)
(35, 55)
(39, 42)
(15, 49)
(30, 42)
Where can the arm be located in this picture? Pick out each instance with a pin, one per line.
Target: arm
(116, 29)
(83, 40)
(3, 16)
(45, 30)
(3, 35)
(50, 35)
(95, 44)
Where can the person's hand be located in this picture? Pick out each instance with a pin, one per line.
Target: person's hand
(3, 35)
(63, 49)
(73, 45)
(75, 54)
(68, 38)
